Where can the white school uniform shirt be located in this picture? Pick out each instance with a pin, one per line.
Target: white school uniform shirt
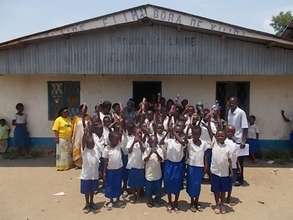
(114, 156)
(205, 136)
(238, 120)
(252, 131)
(196, 153)
(220, 156)
(20, 119)
(174, 150)
(234, 148)
(135, 157)
(99, 143)
(153, 170)
(124, 141)
(150, 125)
(90, 163)
(106, 132)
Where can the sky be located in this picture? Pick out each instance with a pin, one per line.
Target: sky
(23, 17)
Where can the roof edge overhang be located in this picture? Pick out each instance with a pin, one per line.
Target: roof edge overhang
(156, 14)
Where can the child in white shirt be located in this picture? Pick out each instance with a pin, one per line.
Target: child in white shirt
(221, 168)
(90, 169)
(135, 165)
(113, 169)
(196, 164)
(153, 156)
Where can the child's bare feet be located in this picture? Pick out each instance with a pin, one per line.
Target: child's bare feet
(150, 203)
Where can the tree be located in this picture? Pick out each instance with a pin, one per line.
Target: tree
(280, 21)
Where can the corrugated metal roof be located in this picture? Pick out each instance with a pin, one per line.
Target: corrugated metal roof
(155, 13)
(146, 49)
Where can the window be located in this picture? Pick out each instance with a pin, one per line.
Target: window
(63, 94)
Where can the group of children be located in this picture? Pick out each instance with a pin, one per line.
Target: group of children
(156, 148)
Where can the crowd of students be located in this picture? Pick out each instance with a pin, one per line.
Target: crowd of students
(152, 150)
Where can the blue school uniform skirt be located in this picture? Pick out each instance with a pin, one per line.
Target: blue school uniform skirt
(88, 186)
(220, 184)
(113, 183)
(253, 145)
(21, 136)
(173, 176)
(194, 178)
(125, 170)
(136, 178)
(153, 188)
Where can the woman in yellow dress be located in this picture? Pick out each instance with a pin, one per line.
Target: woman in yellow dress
(80, 122)
(62, 128)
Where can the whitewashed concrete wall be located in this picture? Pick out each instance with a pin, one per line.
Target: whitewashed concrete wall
(268, 95)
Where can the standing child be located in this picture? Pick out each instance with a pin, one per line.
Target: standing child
(174, 167)
(4, 135)
(253, 136)
(196, 164)
(20, 131)
(153, 156)
(113, 169)
(135, 165)
(90, 169)
(220, 168)
(234, 147)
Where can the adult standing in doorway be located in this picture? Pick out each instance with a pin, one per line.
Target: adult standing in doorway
(290, 120)
(79, 122)
(238, 119)
(62, 128)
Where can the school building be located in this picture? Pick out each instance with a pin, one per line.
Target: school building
(143, 51)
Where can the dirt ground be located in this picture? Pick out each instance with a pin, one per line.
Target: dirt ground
(27, 187)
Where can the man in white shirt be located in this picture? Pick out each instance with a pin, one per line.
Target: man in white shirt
(238, 119)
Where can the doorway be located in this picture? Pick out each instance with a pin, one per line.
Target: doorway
(225, 90)
(146, 89)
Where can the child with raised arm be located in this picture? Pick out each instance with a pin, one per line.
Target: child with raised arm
(90, 169)
(196, 164)
(153, 156)
(113, 169)
(136, 179)
(221, 169)
(174, 166)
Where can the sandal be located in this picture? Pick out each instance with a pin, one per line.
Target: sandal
(222, 209)
(169, 209)
(86, 209)
(150, 204)
(193, 208)
(108, 206)
(217, 210)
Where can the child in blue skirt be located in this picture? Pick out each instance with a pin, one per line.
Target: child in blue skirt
(234, 147)
(174, 166)
(135, 165)
(221, 169)
(20, 132)
(153, 156)
(113, 169)
(253, 136)
(90, 169)
(196, 165)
